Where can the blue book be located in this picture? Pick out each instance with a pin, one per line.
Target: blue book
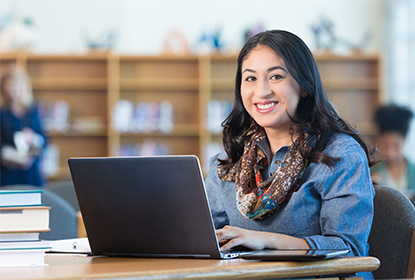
(19, 198)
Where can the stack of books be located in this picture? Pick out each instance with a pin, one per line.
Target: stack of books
(22, 218)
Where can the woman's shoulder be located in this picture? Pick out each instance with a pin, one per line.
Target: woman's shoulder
(214, 159)
(352, 163)
(342, 145)
(349, 153)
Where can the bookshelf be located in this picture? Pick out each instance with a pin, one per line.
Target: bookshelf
(354, 85)
(172, 80)
(91, 86)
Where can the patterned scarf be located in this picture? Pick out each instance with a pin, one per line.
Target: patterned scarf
(258, 199)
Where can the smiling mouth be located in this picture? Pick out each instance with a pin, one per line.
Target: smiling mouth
(266, 106)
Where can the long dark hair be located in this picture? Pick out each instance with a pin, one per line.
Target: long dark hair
(315, 115)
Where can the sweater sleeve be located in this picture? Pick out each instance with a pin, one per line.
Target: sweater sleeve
(346, 201)
(213, 186)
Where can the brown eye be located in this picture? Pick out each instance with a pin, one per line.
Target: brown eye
(276, 77)
(250, 79)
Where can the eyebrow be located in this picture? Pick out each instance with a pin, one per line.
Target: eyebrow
(269, 69)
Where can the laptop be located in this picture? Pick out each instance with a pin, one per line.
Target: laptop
(154, 207)
(145, 207)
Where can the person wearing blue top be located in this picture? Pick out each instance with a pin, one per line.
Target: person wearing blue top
(22, 138)
(293, 174)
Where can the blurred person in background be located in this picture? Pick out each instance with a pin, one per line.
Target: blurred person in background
(394, 170)
(22, 138)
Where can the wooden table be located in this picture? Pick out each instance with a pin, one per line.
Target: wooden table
(83, 267)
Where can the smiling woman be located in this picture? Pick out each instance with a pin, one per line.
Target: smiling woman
(293, 174)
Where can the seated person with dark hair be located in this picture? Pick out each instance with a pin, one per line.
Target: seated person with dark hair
(394, 170)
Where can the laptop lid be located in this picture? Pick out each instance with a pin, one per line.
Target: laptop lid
(145, 206)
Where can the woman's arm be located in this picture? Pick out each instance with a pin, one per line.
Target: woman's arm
(346, 192)
(213, 185)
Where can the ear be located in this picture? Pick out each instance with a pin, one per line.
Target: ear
(303, 93)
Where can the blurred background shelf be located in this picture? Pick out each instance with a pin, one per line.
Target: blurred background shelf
(92, 85)
(69, 83)
(159, 84)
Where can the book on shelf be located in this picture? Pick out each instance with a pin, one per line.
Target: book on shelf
(17, 254)
(49, 162)
(217, 112)
(30, 218)
(148, 147)
(55, 115)
(166, 117)
(143, 117)
(13, 198)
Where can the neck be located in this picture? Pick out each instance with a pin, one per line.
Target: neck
(397, 167)
(278, 139)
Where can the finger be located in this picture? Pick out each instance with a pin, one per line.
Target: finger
(225, 237)
(223, 234)
(219, 235)
(229, 245)
(225, 228)
(223, 242)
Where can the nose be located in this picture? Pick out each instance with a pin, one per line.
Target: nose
(263, 89)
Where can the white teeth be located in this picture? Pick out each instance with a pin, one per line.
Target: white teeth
(266, 106)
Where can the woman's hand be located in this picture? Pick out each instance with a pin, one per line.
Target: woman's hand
(229, 237)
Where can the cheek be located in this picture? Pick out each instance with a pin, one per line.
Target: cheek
(245, 96)
(290, 102)
(291, 97)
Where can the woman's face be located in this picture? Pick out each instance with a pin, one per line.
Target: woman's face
(268, 91)
(391, 145)
(13, 91)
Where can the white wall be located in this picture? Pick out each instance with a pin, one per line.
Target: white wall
(143, 25)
